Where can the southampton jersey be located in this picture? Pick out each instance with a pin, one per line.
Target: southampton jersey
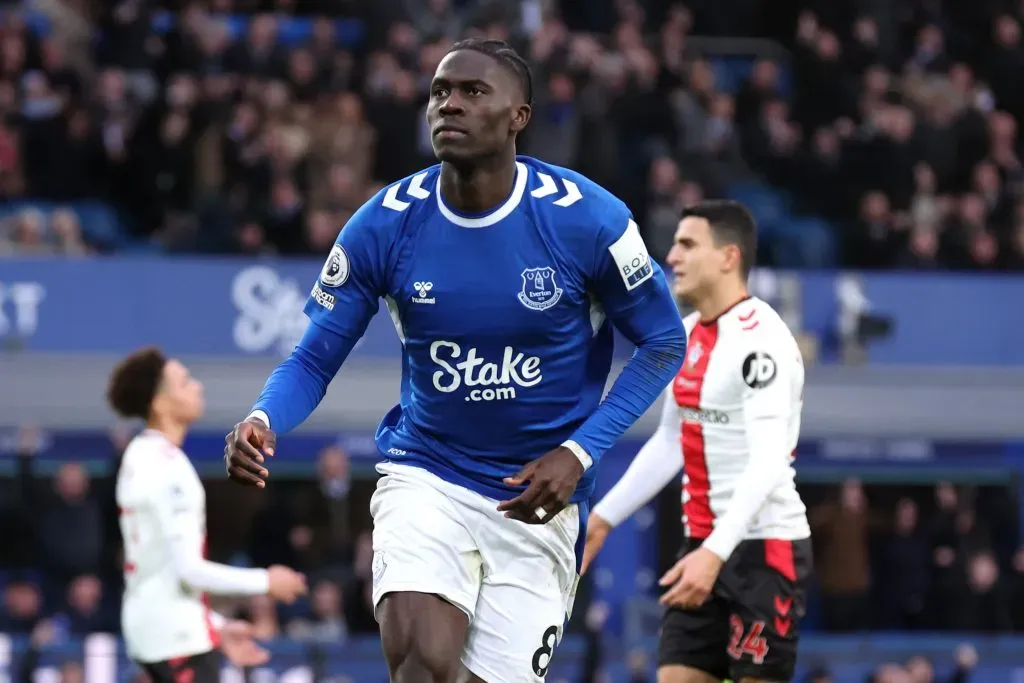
(504, 318)
(159, 496)
(738, 396)
(162, 508)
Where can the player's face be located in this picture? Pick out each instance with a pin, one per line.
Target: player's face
(181, 394)
(475, 107)
(697, 262)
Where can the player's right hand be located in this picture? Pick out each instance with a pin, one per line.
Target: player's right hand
(243, 452)
(286, 584)
(597, 532)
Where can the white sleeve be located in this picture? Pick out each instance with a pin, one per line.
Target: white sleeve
(657, 463)
(261, 416)
(177, 515)
(768, 382)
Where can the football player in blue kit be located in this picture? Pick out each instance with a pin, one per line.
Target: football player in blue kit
(503, 276)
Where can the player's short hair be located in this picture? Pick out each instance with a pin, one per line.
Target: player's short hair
(135, 381)
(505, 55)
(731, 223)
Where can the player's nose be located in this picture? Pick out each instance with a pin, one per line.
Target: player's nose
(451, 106)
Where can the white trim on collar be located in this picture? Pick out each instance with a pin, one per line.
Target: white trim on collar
(495, 216)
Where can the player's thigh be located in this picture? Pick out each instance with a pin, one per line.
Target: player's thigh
(421, 543)
(692, 643)
(422, 636)
(765, 617)
(529, 585)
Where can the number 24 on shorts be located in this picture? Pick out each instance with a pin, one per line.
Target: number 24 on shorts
(747, 642)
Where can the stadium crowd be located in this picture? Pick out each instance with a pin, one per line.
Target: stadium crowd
(205, 133)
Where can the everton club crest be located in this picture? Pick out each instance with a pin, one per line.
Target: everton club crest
(539, 292)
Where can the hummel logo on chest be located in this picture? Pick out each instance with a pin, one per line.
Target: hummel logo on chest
(422, 291)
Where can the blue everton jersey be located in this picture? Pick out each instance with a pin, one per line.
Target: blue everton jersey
(504, 317)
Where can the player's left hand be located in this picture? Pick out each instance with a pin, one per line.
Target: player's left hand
(692, 579)
(237, 644)
(552, 481)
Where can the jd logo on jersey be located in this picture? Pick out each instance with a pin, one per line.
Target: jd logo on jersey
(758, 370)
(539, 292)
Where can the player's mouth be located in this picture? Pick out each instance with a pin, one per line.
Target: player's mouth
(447, 131)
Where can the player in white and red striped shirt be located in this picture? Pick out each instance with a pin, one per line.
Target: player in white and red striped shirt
(167, 626)
(730, 422)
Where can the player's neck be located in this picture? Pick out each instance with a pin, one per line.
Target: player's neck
(172, 431)
(720, 300)
(479, 188)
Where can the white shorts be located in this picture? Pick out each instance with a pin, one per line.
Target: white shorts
(515, 581)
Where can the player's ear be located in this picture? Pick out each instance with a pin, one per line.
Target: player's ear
(520, 117)
(733, 258)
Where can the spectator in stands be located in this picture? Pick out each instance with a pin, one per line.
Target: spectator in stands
(965, 658)
(44, 635)
(191, 132)
(840, 530)
(86, 611)
(326, 621)
(22, 607)
(984, 606)
(905, 571)
(68, 523)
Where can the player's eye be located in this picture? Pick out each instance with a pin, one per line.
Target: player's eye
(440, 92)
(475, 91)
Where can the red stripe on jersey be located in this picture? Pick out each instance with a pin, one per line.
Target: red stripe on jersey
(211, 631)
(697, 512)
(778, 555)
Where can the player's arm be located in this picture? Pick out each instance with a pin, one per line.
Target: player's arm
(343, 301)
(656, 464)
(635, 296)
(182, 533)
(766, 373)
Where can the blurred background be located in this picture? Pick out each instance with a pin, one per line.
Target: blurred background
(173, 172)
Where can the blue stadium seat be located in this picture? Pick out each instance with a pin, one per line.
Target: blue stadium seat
(291, 30)
(100, 223)
(811, 244)
(765, 202)
(731, 72)
(796, 241)
(37, 22)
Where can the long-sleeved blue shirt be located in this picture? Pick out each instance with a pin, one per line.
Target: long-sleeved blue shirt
(505, 321)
